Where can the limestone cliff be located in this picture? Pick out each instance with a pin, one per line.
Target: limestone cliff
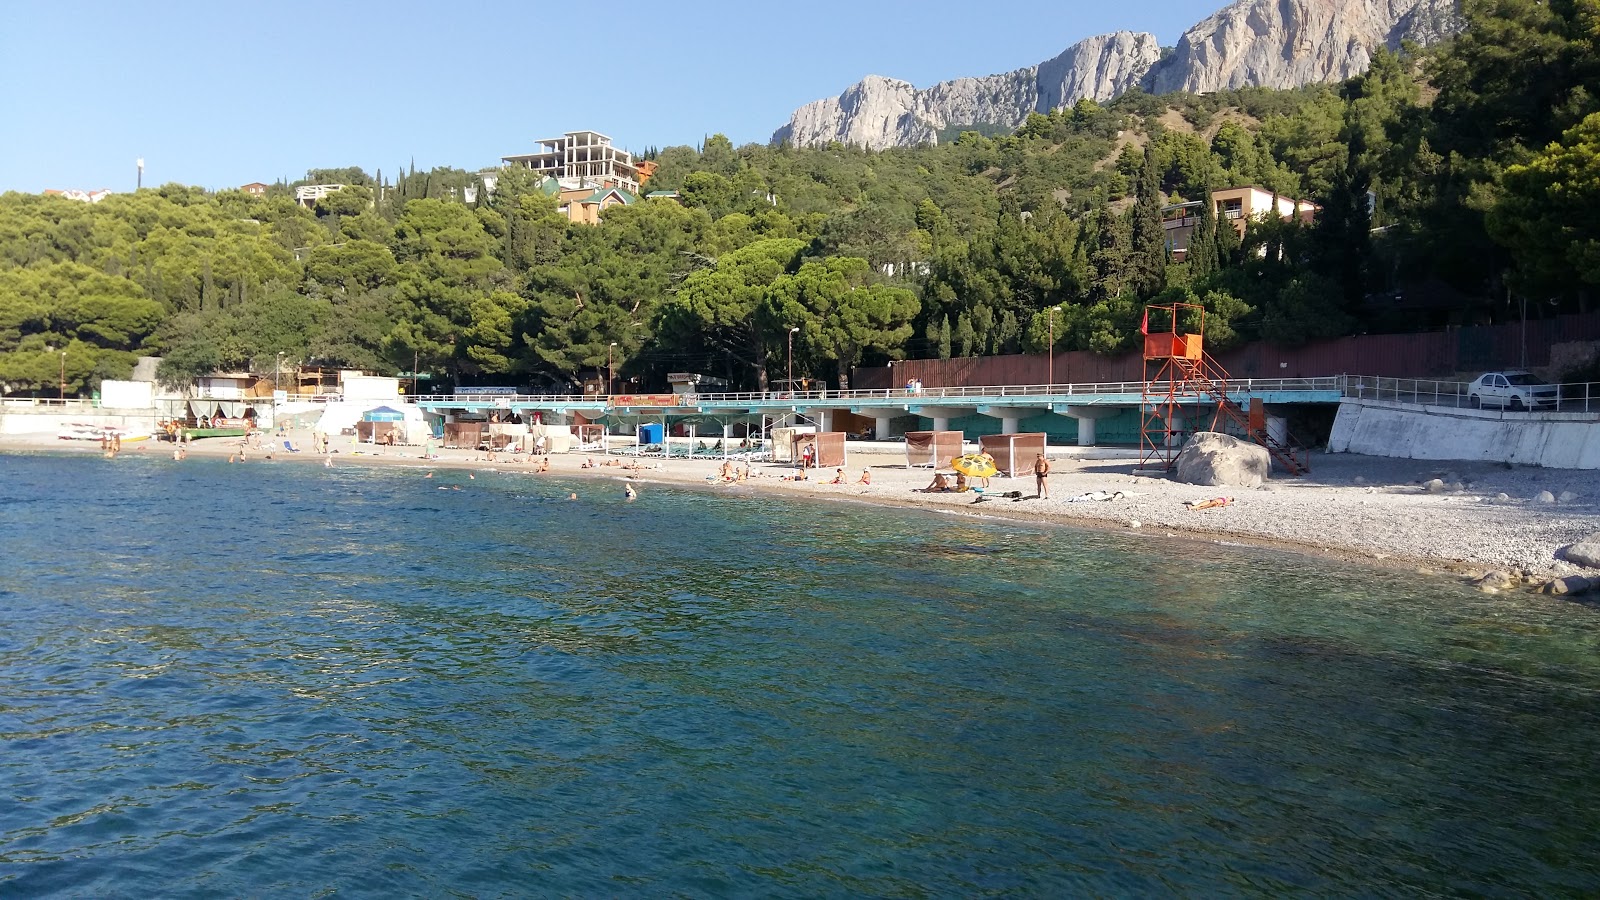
(880, 112)
(1272, 43)
(1288, 43)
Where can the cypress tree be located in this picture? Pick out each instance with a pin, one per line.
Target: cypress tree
(1227, 245)
(1202, 255)
(944, 336)
(1110, 258)
(964, 336)
(1147, 270)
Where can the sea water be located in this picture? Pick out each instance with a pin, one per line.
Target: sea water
(276, 679)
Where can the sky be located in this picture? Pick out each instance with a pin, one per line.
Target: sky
(220, 94)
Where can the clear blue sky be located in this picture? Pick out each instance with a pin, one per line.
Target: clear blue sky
(219, 94)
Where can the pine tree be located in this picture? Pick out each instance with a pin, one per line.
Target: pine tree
(1147, 270)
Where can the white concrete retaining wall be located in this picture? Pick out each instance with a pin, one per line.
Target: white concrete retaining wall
(1411, 431)
(17, 421)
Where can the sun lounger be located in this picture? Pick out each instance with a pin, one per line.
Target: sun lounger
(289, 446)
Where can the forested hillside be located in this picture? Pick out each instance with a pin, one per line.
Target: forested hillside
(1482, 156)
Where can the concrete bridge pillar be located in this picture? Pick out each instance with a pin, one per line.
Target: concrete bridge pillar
(824, 419)
(941, 415)
(1086, 416)
(880, 427)
(1010, 416)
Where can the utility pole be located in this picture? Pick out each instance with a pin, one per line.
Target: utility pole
(414, 357)
(139, 181)
(790, 375)
(611, 371)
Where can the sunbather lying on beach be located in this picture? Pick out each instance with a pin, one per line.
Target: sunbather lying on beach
(1208, 504)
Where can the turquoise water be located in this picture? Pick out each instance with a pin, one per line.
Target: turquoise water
(287, 680)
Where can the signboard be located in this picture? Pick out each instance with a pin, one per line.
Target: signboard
(488, 391)
(646, 400)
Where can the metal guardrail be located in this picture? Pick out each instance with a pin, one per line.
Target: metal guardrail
(1575, 397)
(1331, 383)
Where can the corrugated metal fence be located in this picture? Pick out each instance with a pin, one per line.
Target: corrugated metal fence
(1436, 354)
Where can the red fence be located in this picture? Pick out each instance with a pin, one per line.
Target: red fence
(1437, 354)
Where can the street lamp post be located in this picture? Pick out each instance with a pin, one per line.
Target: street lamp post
(790, 372)
(611, 371)
(63, 376)
(1053, 344)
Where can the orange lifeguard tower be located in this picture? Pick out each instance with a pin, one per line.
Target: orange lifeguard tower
(1180, 379)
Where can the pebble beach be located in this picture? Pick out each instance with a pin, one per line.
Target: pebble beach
(1459, 517)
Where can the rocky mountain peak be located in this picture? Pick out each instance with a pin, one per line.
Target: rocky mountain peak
(1268, 43)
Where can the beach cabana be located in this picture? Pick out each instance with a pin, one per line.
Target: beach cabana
(932, 448)
(829, 444)
(1013, 453)
(465, 435)
(382, 424)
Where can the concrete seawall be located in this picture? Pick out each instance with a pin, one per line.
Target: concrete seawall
(1416, 431)
(48, 420)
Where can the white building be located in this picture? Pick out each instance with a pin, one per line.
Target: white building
(309, 194)
(581, 159)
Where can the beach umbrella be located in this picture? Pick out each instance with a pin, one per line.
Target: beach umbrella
(974, 465)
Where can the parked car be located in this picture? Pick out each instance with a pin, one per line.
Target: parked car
(1513, 389)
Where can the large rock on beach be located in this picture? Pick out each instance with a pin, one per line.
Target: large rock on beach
(1214, 459)
(1585, 552)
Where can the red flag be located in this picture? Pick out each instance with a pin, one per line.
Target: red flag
(1144, 327)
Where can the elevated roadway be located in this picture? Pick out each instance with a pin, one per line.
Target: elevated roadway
(1010, 404)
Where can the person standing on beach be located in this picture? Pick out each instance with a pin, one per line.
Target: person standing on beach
(1041, 477)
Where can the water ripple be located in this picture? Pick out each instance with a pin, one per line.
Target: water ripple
(286, 680)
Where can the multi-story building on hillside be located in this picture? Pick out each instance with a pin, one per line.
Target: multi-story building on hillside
(581, 159)
(1236, 206)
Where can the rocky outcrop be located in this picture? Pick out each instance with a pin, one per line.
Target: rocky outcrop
(1216, 459)
(880, 112)
(1271, 43)
(1287, 43)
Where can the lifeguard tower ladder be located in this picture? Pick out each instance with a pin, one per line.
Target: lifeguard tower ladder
(1179, 374)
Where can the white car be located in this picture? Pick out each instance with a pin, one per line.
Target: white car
(1513, 389)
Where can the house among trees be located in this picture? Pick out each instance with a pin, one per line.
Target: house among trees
(1236, 206)
(307, 195)
(584, 205)
(254, 189)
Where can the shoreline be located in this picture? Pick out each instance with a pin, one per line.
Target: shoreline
(1371, 511)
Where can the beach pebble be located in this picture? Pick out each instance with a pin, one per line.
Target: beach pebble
(1502, 496)
(1435, 486)
(1544, 497)
(1134, 523)
(1496, 581)
(1566, 496)
(1360, 480)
